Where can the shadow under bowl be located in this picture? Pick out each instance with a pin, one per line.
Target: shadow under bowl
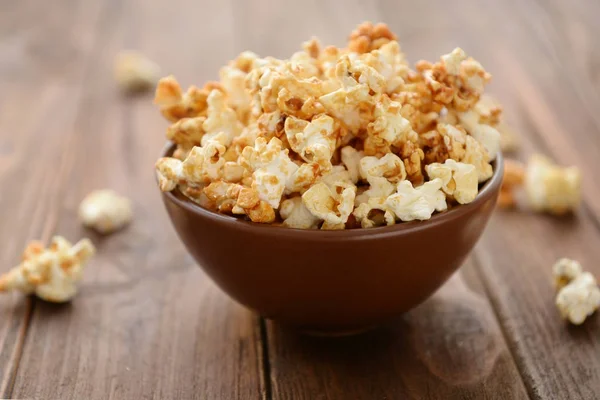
(332, 282)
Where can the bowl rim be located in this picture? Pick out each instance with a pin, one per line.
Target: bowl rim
(490, 187)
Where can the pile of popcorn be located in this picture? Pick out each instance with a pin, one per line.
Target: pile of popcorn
(333, 138)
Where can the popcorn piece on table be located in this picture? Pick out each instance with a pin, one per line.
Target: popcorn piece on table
(135, 72)
(105, 211)
(579, 298)
(332, 205)
(564, 271)
(51, 274)
(551, 188)
(459, 180)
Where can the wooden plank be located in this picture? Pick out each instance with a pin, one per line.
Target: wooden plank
(540, 78)
(39, 97)
(148, 323)
(450, 347)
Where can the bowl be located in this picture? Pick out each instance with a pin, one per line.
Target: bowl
(331, 282)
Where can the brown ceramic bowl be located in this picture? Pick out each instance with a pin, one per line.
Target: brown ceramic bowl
(332, 281)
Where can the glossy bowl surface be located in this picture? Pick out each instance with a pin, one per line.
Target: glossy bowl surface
(332, 281)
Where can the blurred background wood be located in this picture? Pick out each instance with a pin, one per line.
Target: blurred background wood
(149, 324)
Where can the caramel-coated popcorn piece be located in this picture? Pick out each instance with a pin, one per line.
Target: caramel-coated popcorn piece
(389, 128)
(314, 141)
(459, 180)
(272, 169)
(105, 211)
(51, 274)
(332, 205)
(174, 104)
(551, 188)
(367, 37)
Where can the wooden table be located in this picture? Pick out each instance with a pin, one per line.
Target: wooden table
(149, 324)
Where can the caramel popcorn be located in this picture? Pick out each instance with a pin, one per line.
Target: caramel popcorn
(105, 211)
(135, 72)
(459, 180)
(50, 273)
(551, 188)
(332, 138)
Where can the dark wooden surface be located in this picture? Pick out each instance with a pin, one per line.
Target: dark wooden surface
(149, 324)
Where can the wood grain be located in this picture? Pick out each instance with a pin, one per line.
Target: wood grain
(148, 323)
(450, 347)
(39, 98)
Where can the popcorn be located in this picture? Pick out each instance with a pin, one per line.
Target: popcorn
(551, 188)
(135, 72)
(564, 271)
(330, 205)
(272, 169)
(418, 203)
(175, 105)
(351, 159)
(488, 136)
(389, 167)
(368, 37)
(295, 214)
(202, 165)
(579, 299)
(314, 141)
(51, 274)
(221, 120)
(476, 155)
(187, 132)
(389, 128)
(353, 103)
(459, 180)
(330, 132)
(105, 211)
